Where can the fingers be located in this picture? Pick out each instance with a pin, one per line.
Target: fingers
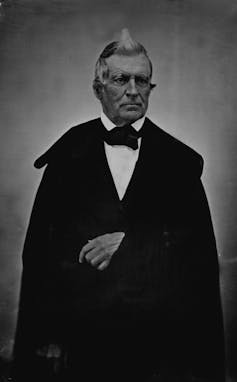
(95, 256)
(100, 250)
(103, 265)
(98, 256)
(50, 351)
(54, 351)
(90, 245)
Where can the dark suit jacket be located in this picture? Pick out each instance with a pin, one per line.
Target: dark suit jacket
(164, 276)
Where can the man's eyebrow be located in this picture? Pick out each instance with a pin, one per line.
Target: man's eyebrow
(123, 73)
(120, 73)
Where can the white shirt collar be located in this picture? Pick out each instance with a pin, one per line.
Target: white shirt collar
(109, 125)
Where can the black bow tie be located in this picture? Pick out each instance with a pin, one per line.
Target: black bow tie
(125, 135)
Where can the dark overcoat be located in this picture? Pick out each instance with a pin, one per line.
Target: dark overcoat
(162, 285)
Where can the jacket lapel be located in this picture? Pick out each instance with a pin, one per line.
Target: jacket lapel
(103, 173)
(144, 181)
(98, 173)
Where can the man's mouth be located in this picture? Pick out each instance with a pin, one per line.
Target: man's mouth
(131, 104)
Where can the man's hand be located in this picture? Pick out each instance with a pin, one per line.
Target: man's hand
(50, 351)
(99, 251)
(53, 354)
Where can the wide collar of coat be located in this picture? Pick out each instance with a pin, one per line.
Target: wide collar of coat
(163, 163)
(159, 151)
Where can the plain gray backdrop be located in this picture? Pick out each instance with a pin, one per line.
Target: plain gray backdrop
(48, 49)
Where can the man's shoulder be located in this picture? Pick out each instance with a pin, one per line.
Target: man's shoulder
(72, 143)
(176, 153)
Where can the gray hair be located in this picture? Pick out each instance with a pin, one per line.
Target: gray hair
(126, 46)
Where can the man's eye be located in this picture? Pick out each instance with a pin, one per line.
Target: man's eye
(142, 81)
(120, 80)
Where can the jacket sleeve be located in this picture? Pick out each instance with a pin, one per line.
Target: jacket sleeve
(194, 241)
(207, 328)
(39, 314)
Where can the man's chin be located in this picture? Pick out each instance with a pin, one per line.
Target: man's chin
(131, 116)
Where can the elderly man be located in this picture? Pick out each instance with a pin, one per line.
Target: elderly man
(120, 272)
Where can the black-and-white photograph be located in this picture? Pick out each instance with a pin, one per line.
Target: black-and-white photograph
(118, 191)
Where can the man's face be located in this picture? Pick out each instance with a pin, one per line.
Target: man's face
(125, 93)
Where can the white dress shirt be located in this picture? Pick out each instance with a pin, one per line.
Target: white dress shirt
(121, 159)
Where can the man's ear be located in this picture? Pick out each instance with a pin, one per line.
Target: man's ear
(97, 87)
(152, 86)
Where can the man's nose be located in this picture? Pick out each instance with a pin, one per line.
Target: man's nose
(132, 87)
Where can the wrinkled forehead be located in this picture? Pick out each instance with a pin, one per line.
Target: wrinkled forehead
(132, 64)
